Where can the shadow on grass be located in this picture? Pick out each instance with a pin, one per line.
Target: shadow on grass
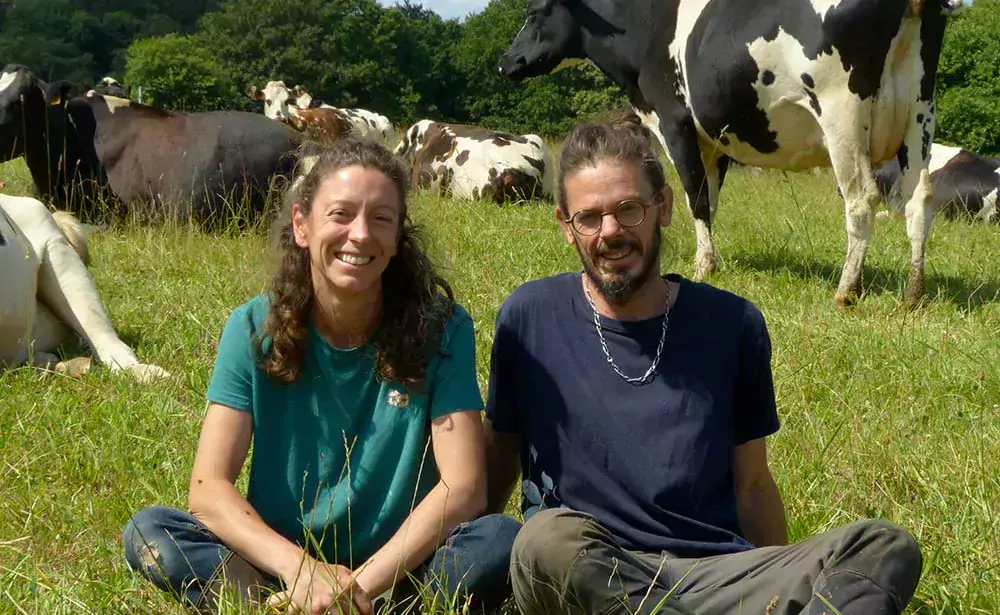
(967, 295)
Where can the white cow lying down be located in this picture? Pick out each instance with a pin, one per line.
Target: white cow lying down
(48, 292)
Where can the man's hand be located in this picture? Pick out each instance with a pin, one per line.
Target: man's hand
(322, 589)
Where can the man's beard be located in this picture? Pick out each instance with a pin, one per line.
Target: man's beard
(617, 288)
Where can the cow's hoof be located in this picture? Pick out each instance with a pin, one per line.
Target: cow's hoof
(844, 300)
(704, 266)
(145, 373)
(75, 367)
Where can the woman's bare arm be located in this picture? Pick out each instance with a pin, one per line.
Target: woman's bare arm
(460, 495)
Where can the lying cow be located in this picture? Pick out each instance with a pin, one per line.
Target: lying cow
(48, 293)
(965, 185)
(469, 162)
(318, 120)
(82, 150)
(791, 85)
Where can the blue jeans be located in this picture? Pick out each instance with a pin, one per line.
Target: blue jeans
(183, 557)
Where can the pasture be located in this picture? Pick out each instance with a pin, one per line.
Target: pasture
(886, 412)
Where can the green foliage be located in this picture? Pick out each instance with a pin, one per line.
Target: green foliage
(84, 40)
(349, 53)
(176, 72)
(968, 87)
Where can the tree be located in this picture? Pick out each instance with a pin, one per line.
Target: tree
(177, 72)
(968, 85)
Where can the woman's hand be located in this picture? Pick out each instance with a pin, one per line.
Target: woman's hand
(322, 589)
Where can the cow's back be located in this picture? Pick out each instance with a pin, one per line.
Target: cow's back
(499, 168)
(239, 154)
(371, 126)
(207, 165)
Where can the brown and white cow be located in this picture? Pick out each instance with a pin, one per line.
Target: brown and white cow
(471, 162)
(320, 121)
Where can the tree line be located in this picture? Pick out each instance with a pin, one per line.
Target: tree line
(403, 61)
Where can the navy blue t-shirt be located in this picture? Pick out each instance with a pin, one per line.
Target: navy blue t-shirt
(653, 463)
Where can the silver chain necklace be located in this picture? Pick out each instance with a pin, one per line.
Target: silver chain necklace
(604, 344)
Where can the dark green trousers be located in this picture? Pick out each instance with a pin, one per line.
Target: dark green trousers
(564, 562)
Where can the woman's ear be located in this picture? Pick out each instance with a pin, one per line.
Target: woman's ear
(300, 226)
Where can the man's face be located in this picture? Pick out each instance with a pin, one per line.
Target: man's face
(618, 259)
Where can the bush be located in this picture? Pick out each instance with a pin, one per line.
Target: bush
(175, 72)
(968, 86)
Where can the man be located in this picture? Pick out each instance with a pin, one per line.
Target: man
(637, 406)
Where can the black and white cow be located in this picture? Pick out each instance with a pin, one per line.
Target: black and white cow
(788, 84)
(965, 185)
(80, 149)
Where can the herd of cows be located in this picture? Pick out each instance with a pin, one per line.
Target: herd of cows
(787, 84)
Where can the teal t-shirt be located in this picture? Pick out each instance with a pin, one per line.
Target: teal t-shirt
(338, 455)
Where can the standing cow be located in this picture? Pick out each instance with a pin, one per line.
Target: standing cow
(788, 84)
(965, 185)
(48, 293)
(469, 162)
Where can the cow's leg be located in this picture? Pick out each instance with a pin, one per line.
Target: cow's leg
(847, 136)
(68, 291)
(917, 192)
(699, 174)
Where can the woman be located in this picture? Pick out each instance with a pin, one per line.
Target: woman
(337, 376)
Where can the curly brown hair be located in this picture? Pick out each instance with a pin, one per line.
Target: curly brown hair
(416, 301)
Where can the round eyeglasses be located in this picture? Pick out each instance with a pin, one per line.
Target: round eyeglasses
(628, 213)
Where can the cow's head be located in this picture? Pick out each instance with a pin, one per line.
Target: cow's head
(275, 96)
(21, 105)
(550, 34)
(109, 86)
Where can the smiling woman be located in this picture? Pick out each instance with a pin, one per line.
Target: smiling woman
(356, 360)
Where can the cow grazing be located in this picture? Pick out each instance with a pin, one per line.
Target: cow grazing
(965, 185)
(791, 85)
(48, 293)
(469, 162)
(109, 86)
(200, 166)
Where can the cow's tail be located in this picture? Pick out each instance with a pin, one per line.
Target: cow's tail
(74, 233)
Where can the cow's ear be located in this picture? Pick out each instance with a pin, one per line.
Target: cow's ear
(299, 90)
(254, 93)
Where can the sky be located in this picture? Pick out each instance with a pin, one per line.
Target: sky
(448, 8)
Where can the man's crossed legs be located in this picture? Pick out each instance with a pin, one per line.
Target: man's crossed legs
(565, 562)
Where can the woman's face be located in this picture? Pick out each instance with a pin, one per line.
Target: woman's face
(351, 231)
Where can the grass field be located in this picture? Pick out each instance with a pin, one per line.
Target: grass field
(886, 412)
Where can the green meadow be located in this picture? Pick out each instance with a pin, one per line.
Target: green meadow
(886, 412)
